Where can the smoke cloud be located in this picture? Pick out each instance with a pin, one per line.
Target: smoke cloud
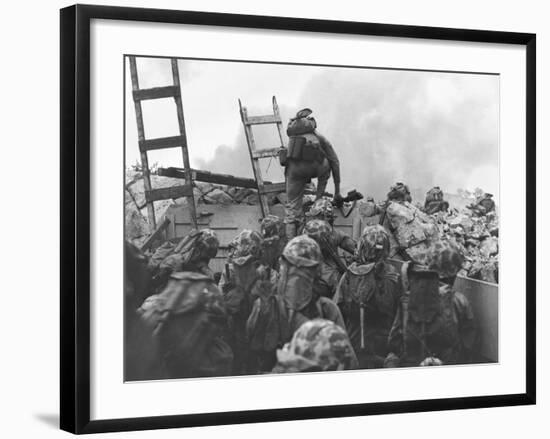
(421, 128)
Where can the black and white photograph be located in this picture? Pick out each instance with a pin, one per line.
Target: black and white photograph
(299, 218)
(275, 219)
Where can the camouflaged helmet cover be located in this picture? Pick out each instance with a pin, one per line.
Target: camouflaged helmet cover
(321, 208)
(317, 345)
(272, 226)
(373, 245)
(446, 258)
(318, 230)
(302, 251)
(399, 192)
(208, 244)
(245, 247)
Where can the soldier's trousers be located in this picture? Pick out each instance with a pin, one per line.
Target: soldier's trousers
(298, 174)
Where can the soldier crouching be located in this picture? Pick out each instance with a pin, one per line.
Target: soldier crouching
(187, 321)
(434, 324)
(368, 296)
(300, 271)
(242, 282)
(332, 266)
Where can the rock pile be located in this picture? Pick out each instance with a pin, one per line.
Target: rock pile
(478, 236)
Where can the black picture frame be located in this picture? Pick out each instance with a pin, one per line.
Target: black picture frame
(75, 216)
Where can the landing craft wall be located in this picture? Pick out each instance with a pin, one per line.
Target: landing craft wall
(227, 221)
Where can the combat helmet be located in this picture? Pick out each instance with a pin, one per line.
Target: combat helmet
(445, 258)
(317, 345)
(318, 229)
(245, 247)
(199, 245)
(207, 244)
(374, 245)
(321, 209)
(302, 251)
(399, 192)
(272, 226)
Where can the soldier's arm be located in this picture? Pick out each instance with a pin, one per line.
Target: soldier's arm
(346, 242)
(332, 159)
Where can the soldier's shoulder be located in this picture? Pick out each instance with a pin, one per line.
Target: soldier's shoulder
(321, 137)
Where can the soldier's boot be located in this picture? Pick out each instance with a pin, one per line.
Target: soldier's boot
(290, 230)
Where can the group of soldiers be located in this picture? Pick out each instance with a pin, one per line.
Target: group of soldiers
(295, 296)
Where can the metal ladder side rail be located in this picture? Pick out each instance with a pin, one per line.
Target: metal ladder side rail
(145, 145)
(257, 154)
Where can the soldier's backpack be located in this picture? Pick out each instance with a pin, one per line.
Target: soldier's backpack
(360, 285)
(306, 147)
(170, 257)
(422, 287)
(359, 296)
(303, 144)
(409, 225)
(301, 124)
(160, 254)
(188, 320)
(419, 308)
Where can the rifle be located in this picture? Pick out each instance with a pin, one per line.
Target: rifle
(227, 273)
(352, 196)
(333, 253)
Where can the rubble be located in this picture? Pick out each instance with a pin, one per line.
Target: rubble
(414, 230)
(217, 196)
(478, 237)
(137, 227)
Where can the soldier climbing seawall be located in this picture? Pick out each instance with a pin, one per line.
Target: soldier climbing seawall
(310, 155)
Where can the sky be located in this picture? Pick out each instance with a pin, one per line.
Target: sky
(422, 128)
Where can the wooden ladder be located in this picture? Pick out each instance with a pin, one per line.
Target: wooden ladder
(257, 154)
(171, 91)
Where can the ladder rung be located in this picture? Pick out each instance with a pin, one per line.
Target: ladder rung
(263, 153)
(273, 188)
(259, 120)
(156, 93)
(167, 193)
(162, 143)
